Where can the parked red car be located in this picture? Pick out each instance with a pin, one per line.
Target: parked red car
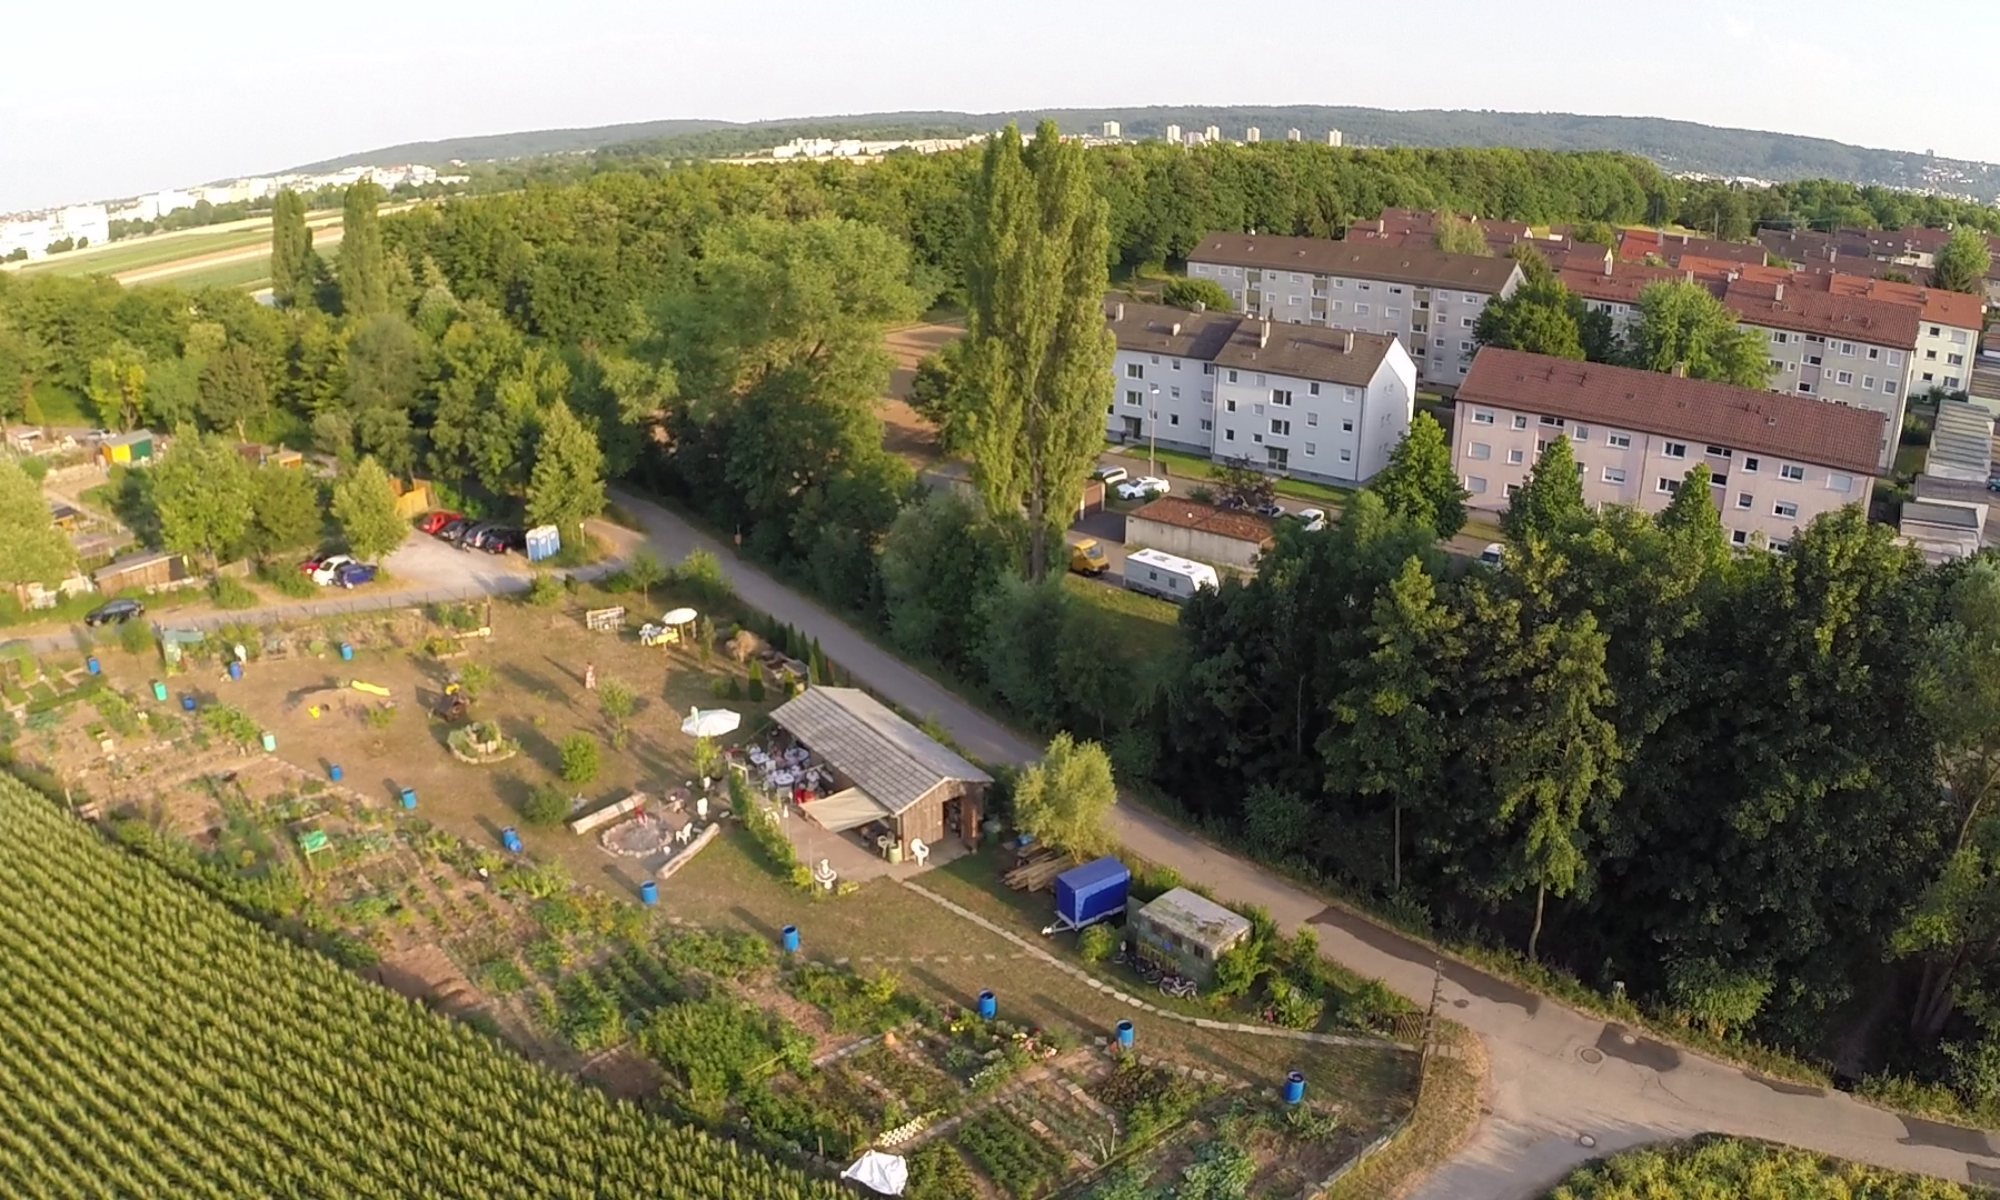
(434, 521)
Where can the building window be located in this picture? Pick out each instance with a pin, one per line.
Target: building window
(1520, 421)
(1260, 379)
(1392, 313)
(1465, 322)
(1888, 387)
(1312, 418)
(1745, 500)
(1174, 392)
(1619, 441)
(1257, 438)
(1134, 399)
(1516, 456)
(1580, 432)
(1347, 456)
(1847, 349)
(1719, 479)
(1295, 300)
(1936, 332)
(1785, 509)
(1207, 397)
(1277, 457)
(1675, 450)
(1360, 310)
(1958, 336)
(1465, 347)
(1177, 364)
(1395, 290)
(1750, 465)
(1311, 449)
(1134, 371)
(1482, 416)
(1874, 352)
(1951, 383)
(1349, 395)
(1614, 475)
(1954, 360)
(1232, 377)
(1739, 537)
(1479, 450)
(1843, 377)
(1173, 418)
(1719, 452)
(1281, 398)
(1312, 389)
(1229, 405)
(1805, 388)
(1778, 337)
(1839, 483)
(1792, 472)
(1780, 547)
(1475, 484)
(1208, 368)
(1511, 489)
(1281, 428)
(1895, 358)
(1229, 435)
(1347, 427)
(1867, 383)
(1207, 426)
(1668, 486)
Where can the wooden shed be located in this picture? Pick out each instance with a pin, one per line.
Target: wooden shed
(153, 571)
(887, 770)
(1185, 932)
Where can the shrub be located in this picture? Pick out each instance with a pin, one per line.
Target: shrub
(136, 637)
(381, 716)
(287, 580)
(1097, 943)
(581, 758)
(546, 591)
(230, 593)
(546, 805)
(756, 681)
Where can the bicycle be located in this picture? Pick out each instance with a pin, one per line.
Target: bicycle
(1178, 987)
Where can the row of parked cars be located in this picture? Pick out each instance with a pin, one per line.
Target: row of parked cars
(494, 537)
(338, 570)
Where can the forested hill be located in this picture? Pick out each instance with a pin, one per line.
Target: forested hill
(1682, 146)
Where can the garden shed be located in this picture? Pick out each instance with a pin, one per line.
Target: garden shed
(887, 772)
(127, 448)
(1185, 933)
(153, 571)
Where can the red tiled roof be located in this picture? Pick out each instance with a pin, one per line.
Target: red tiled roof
(1957, 309)
(1356, 259)
(1675, 246)
(1824, 314)
(1623, 286)
(1720, 414)
(1205, 518)
(1636, 244)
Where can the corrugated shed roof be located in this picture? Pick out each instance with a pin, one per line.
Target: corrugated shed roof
(1809, 431)
(886, 756)
(1195, 918)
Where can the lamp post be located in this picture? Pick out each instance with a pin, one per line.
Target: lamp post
(1153, 433)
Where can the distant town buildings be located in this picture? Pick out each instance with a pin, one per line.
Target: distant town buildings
(1293, 135)
(1212, 134)
(857, 149)
(1174, 134)
(1253, 134)
(1111, 129)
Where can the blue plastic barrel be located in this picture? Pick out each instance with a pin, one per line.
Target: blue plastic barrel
(988, 1006)
(159, 691)
(333, 772)
(270, 743)
(236, 670)
(1295, 1088)
(1124, 1035)
(187, 702)
(790, 937)
(649, 893)
(346, 652)
(511, 840)
(409, 797)
(90, 664)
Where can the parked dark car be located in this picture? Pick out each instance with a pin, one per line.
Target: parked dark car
(115, 613)
(502, 540)
(473, 536)
(354, 574)
(1270, 508)
(451, 531)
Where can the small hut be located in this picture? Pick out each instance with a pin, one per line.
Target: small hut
(1185, 933)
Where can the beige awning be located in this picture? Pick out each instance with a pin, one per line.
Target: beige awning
(846, 810)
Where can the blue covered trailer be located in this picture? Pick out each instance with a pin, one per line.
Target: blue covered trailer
(1090, 893)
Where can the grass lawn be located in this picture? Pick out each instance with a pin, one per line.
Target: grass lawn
(1147, 627)
(250, 275)
(146, 252)
(1910, 461)
(62, 407)
(1192, 470)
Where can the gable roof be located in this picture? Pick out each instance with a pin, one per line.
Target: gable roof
(1342, 356)
(1356, 260)
(1205, 518)
(1623, 285)
(1853, 317)
(1956, 309)
(886, 756)
(1164, 329)
(1813, 431)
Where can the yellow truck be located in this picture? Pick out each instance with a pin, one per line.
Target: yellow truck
(1086, 557)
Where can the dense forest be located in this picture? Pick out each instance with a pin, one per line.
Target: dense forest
(1637, 757)
(1676, 146)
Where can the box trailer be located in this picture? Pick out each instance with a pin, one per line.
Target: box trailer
(1168, 576)
(1090, 893)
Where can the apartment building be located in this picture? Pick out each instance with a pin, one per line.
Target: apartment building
(1317, 403)
(1775, 461)
(1427, 300)
(1842, 349)
(1610, 286)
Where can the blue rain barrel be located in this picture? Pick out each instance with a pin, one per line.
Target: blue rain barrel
(1124, 1035)
(409, 797)
(988, 1006)
(511, 840)
(91, 664)
(236, 670)
(649, 893)
(270, 742)
(346, 652)
(187, 703)
(789, 935)
(1295, 1088)
(159, 691)
(333, 772)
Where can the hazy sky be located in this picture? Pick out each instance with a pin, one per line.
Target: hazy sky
(113, 98)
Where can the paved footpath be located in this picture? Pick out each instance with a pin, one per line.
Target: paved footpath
(1557, 1075)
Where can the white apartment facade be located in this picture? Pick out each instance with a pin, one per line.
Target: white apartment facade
(1842, 349)
(1427, 300)
(1775, 461)
(1320, 404)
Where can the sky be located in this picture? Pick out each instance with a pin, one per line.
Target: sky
(116, 98)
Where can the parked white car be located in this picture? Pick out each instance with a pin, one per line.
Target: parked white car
(1494, 556)
(1314, 519)
(1111, 475)
(1144, 487)
(329, 569)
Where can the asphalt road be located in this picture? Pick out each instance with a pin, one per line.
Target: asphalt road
(1557, 1075)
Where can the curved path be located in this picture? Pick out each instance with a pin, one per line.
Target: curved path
(1557, 1075)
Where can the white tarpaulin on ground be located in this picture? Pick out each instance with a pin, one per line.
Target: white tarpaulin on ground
(713, 722)
(846, 810)
(884, 1173)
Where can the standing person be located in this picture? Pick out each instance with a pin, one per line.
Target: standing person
(589, 677)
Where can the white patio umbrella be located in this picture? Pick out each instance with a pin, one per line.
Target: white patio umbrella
(679, 616)
(713, 723)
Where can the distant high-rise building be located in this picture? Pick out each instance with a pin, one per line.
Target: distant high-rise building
(1333, 137)
(1174, 134)
(1253, 134)
(1212, 134)
(1293, 135)
(1111, 129)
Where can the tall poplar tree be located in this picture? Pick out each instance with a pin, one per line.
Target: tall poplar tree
(294, 266)
(364, 273)
(1038, 357)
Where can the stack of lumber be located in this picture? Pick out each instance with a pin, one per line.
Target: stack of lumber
(1038, 872)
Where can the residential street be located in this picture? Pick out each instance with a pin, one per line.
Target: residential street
(1557, 1075)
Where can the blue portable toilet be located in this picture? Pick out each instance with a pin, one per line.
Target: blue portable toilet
(1090, 893)
(159, 691)
(543, 542)
(511, 840)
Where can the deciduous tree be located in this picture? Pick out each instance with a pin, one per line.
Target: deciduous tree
(32, 549)
(1681, 326)
(1066, 798)
(284, 510)
(234, 390)
(1541, 317)
(567, 485)
(1183, 292)
(201, 491)
(1551, 501)
(365, 505)
(1962, 263)
(118, 386)
(1456, 235)
(1419, 482)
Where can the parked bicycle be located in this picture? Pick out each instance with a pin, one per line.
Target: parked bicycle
(1177, 986)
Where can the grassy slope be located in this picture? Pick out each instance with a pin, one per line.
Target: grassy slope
(1742, 1170)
